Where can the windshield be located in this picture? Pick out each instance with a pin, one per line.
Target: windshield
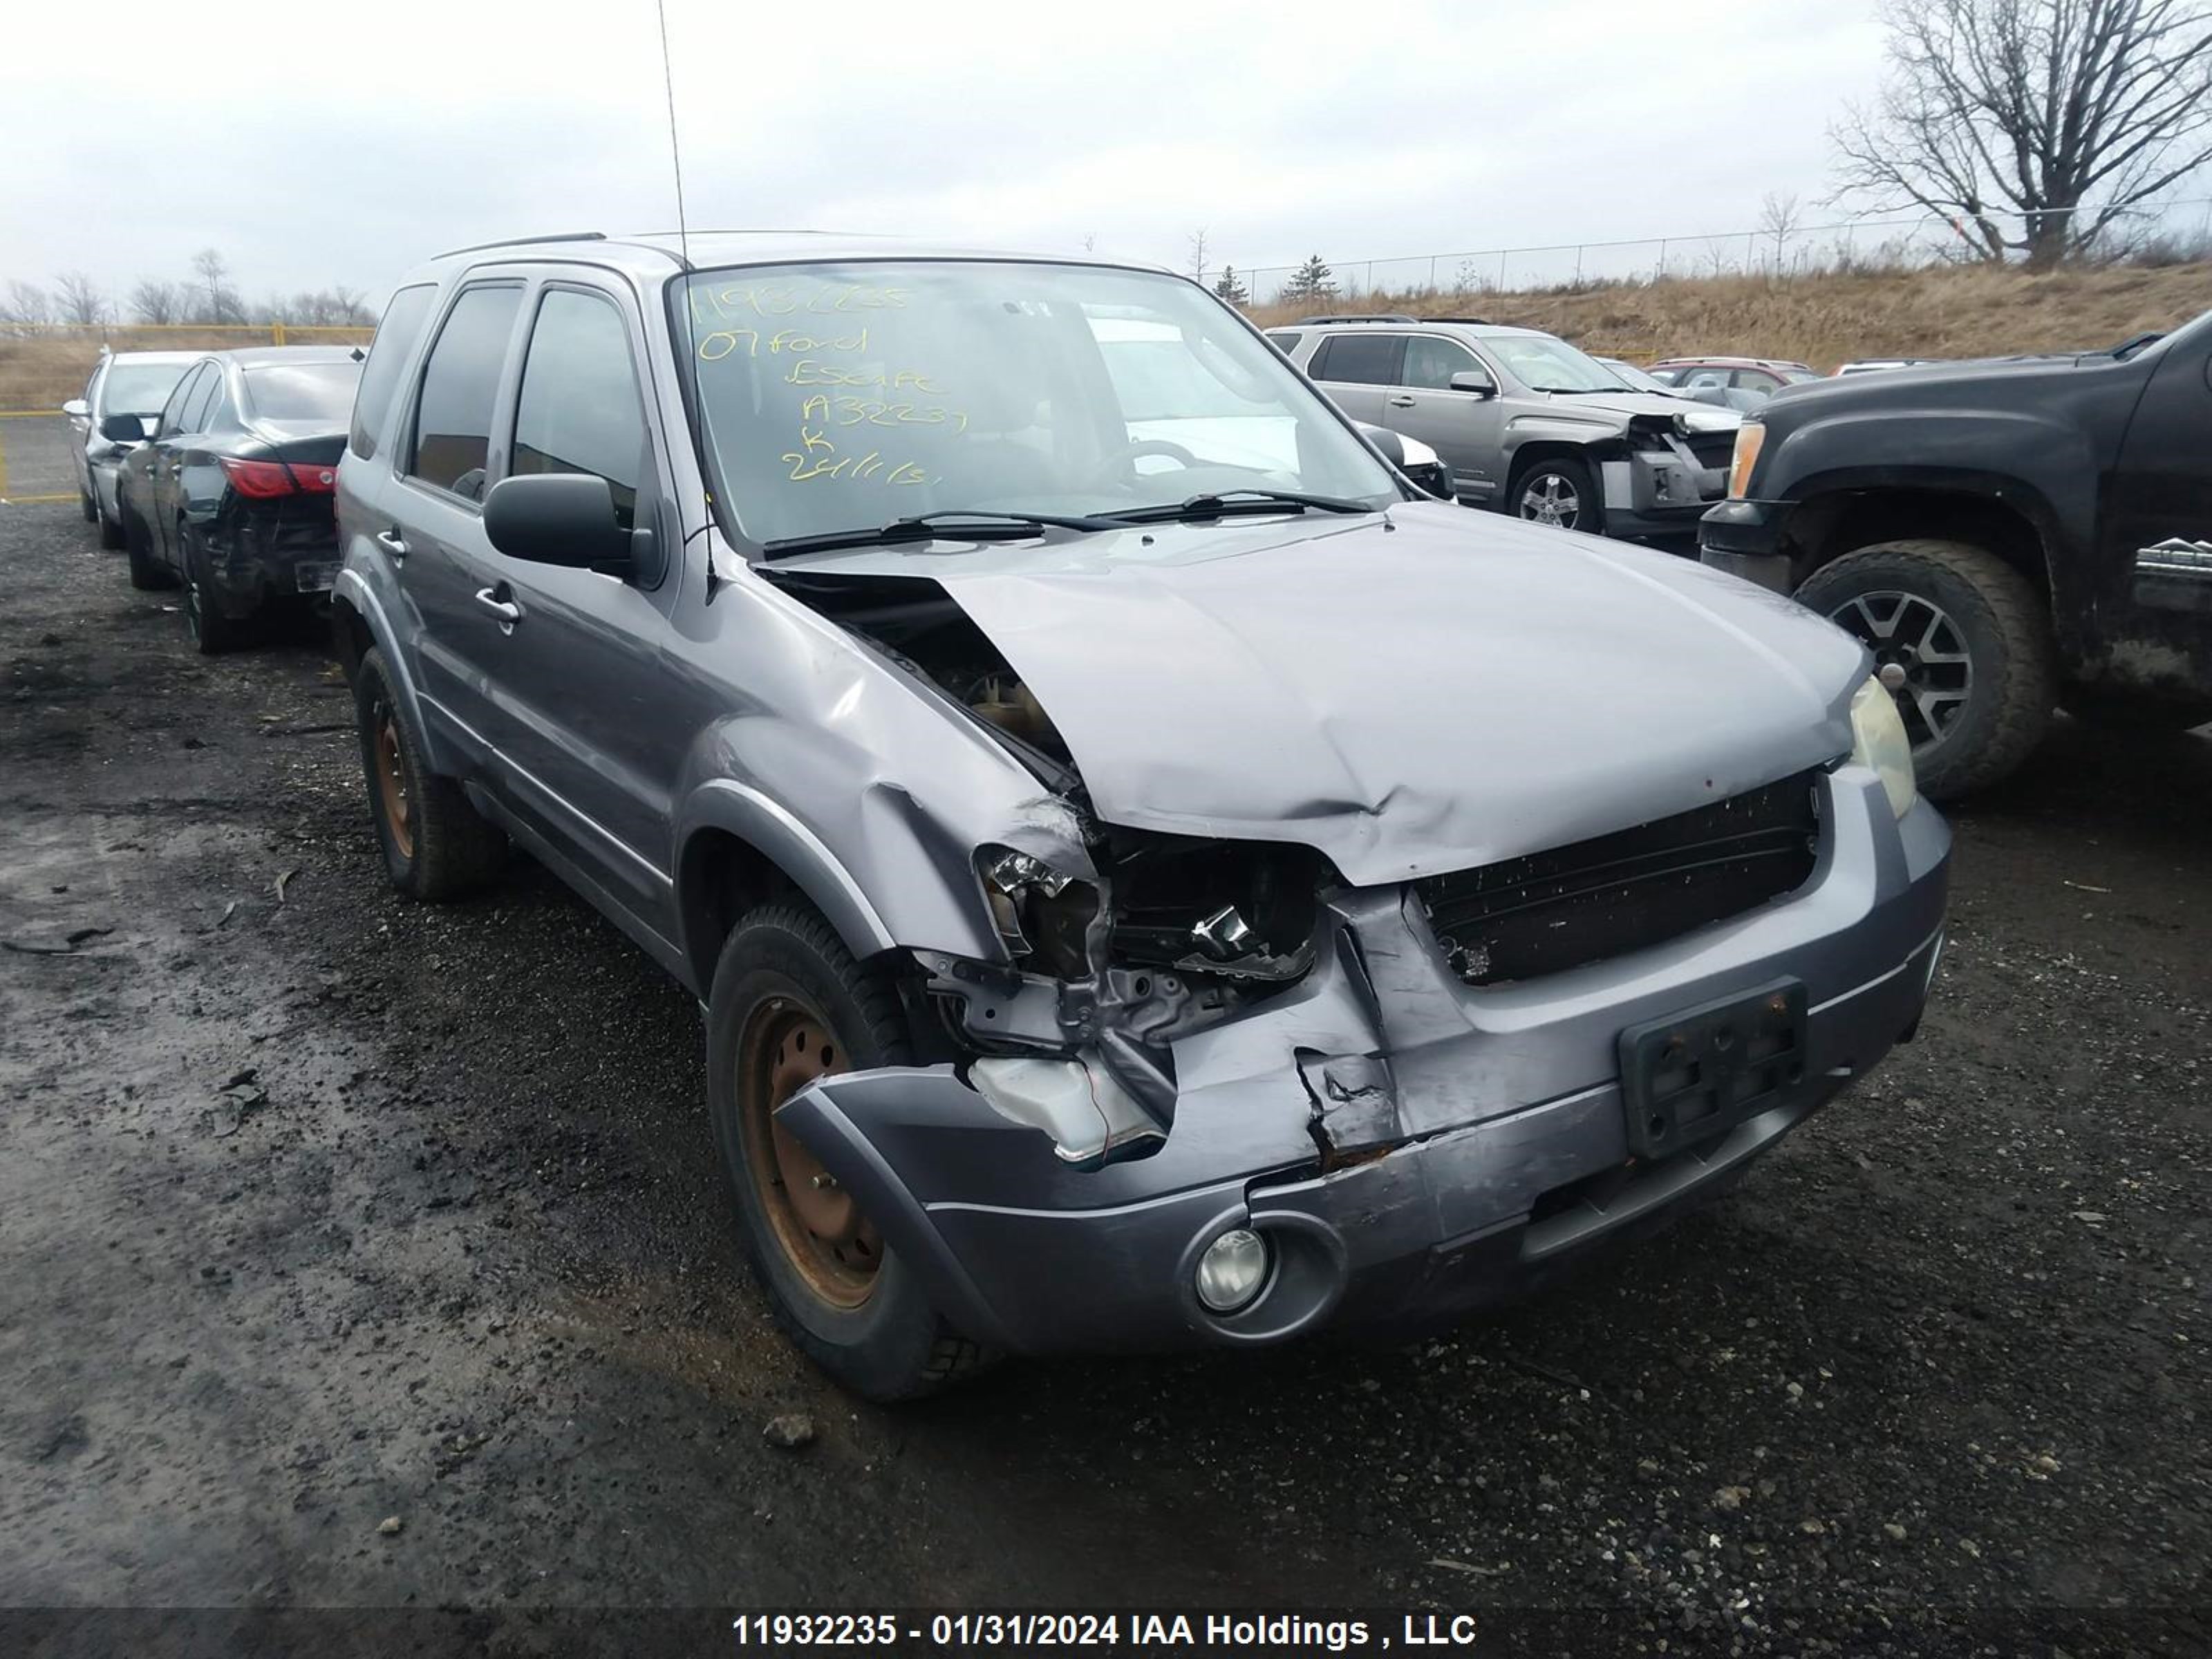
(139, 388)
(1634, 377)
(304, 391)
(841, 397)
(1545, 364)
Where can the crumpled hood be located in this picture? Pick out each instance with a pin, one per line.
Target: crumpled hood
(1697, 416)
(1445, 693)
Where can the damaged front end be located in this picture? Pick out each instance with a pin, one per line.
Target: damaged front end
(1218, 1090)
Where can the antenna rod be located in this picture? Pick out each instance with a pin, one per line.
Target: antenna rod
(675, 150)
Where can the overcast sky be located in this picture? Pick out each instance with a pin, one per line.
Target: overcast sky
(341, 143)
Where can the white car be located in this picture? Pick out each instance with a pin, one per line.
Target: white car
(123, 383)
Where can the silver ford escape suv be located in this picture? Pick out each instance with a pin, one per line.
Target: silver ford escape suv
(1153, 878)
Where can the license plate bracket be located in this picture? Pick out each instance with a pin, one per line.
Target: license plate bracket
(319, 577)
(1699, 1071)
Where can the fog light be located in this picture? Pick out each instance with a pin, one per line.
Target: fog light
(1232, 1270)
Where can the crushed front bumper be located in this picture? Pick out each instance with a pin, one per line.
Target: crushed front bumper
(1661, 491)
(1506, 1153)
(1744, 538)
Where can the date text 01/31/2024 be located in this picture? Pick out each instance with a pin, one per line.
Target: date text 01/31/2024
(1276, 1632)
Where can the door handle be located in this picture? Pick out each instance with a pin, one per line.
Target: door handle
(508, 612)
(1400, 403)
(390, 542)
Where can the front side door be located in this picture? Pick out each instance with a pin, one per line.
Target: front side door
(1465, 428)
(444, 462)
(2154, 578)
(591, 716)
(1357, 371)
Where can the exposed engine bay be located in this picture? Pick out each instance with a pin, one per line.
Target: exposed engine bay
(1177, 933)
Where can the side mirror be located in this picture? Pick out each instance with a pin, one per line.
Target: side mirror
(76, 409)
(1480, 386)
(559, 517)
(124, 428)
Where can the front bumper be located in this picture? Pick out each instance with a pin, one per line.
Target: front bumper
(1659, 492)
(1744, 538)
(1506, 1154)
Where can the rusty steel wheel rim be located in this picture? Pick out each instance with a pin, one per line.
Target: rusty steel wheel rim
(820, 1229)
(392, 783)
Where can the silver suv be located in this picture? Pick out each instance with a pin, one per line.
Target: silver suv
(1007, 696)
(1526, 423)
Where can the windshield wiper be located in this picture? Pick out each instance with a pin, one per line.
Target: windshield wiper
(1217, 503)
(1585, 391)
(954, 524)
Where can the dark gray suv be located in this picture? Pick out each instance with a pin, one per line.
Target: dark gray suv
(1153, 879)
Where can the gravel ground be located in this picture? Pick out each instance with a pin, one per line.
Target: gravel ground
(361, 1255)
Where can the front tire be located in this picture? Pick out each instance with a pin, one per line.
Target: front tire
(110, 529)
(789, 1005)
(147, 574)
(86, 505)
(1560, 493)
(437, 847)
(1970, 640)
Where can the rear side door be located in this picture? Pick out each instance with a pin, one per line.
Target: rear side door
(1465, 428)
(596, 725)
(1359, 371)
(166, 458)
(443, 463)
(2154, 570)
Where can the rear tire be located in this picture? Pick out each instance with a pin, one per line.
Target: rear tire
(147, 574)
(437, 847)
(211, 629)
(1973, 639)
(1559, 492)
(790, 1003)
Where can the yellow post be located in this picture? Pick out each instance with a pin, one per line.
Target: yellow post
(277, 330)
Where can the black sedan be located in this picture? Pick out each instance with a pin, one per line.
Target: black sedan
(233, 495)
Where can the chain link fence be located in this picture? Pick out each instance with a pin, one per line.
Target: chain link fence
(2176, 230)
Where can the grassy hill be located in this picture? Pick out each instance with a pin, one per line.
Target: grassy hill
(1828, 318)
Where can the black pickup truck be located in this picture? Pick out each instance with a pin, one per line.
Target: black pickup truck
(2007, 537)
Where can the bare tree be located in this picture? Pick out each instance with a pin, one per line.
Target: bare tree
(80, 301)
(27, 302)
(1198, 253)
(1780, 217)
(2067, 114)
(156, 302)
(221, 304)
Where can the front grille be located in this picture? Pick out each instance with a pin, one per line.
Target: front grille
(1711, 448)
(1599, 898)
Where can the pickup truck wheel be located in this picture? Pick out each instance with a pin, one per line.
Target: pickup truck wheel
(1560, 493)
(790, 1004)
(147, 574)
(436, 846)
(1967, 641)
(2125, 712)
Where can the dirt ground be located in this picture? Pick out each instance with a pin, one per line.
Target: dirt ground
(321, 1211)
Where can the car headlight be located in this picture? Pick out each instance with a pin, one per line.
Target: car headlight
(1750, 438)
(1041, 913)
(1878, 740)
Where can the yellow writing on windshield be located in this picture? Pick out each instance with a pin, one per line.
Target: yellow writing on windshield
(782, 300)
(809, 370)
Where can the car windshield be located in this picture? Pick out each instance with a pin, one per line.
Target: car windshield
(1629, 376)
(139, 388)
(304, 391)
(836, 398)
(1545, 364)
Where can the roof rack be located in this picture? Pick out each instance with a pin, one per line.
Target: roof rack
(1350, 316)
(1469, 322)
(526, 241)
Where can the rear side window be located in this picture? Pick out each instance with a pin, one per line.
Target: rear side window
(1358, 359)
(1285, 340)
(579, 411)
(453, 420)
(387, 357)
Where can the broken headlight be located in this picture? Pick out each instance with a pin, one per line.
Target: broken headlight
(1233, 908)
(1041, 913)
